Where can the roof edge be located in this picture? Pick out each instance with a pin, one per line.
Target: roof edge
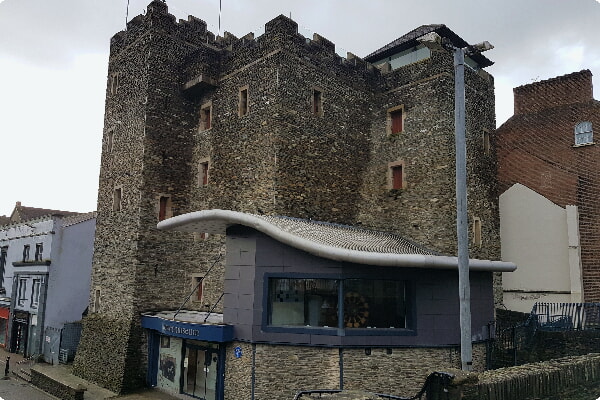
(183, 223)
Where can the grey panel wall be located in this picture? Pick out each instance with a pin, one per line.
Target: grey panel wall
(434, 295)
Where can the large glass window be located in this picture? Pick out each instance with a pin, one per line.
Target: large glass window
(374, 304)
(368, 303)
(303, 302)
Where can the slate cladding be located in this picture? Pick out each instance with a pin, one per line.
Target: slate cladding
(271, 156)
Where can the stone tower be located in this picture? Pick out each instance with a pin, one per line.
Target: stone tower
(279, 125)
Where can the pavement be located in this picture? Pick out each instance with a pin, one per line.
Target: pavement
(15, 386)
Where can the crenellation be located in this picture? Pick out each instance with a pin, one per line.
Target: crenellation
(327, 44)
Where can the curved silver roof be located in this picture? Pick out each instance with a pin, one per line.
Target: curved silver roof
(331, 241)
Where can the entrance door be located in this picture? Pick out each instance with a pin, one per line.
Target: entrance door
(19, 337)
(200, 372)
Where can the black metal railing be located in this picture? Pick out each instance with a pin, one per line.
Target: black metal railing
(565, 316)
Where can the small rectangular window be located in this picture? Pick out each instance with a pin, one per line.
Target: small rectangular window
(164, 208)
(317, 102)
(486, 142)
(117, 199)
(243, 101)
(198, 282)
(396, 121)
(22, 291)
(206, 116)
(26, 253)
(396, 172)
(114, 83)
(203, 171)
(39, 250)
(110, 137)
(584, 133)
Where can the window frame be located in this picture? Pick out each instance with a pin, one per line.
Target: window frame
(206, 116)
(117, 203)
(391, 175)
(36, 288)
(477, 232)
(26, 249)
(39, 251)
(165, 207)
(22, 292)
(390, 120)
(579, 132)
(203, 172)
(340, 330)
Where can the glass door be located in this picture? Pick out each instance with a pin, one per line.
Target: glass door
(200, 372)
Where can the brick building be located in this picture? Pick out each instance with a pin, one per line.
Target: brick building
(549, 180)
(273, 125)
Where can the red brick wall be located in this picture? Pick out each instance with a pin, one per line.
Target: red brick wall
(566, 89)
(535, 148)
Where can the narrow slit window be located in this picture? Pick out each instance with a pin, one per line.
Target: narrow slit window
(97, 300)
(243, 102)
(203, 170)
(110, 137)
(198, 282)
(206, 117)
(477, 238)
(486, 143)
(114, 83)
(317, 102)
(117, 199)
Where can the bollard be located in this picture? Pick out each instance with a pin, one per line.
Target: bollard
(7, 367)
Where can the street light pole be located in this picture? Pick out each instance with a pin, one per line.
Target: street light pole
(462, 225)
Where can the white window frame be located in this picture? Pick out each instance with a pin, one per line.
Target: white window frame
(584, 133)
(22, 292)
(36, 288)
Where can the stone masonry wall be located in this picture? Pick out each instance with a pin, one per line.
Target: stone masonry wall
(280, 158)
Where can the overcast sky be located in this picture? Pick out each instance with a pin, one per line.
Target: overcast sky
(54, 59)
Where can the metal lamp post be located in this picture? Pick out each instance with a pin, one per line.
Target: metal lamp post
(462, 225)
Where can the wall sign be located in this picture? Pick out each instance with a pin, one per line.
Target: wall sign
(238, 352)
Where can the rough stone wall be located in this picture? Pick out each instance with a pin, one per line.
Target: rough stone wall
(401, 373)
(238, 372)
(425, 210)
(283, 370)
(536, 149)
(55, 388)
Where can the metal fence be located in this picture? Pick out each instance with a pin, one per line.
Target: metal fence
(565, 316)
(513, 343)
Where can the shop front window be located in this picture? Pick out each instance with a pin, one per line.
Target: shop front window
(367, 303)
(303, 302)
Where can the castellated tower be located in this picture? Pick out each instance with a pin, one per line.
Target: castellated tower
(274, 125)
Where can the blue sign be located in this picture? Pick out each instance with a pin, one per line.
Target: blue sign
(238, 352)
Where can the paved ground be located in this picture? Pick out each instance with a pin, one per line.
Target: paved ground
(16, 389)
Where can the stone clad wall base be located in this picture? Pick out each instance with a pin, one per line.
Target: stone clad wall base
(109, 353)
(281, 371)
